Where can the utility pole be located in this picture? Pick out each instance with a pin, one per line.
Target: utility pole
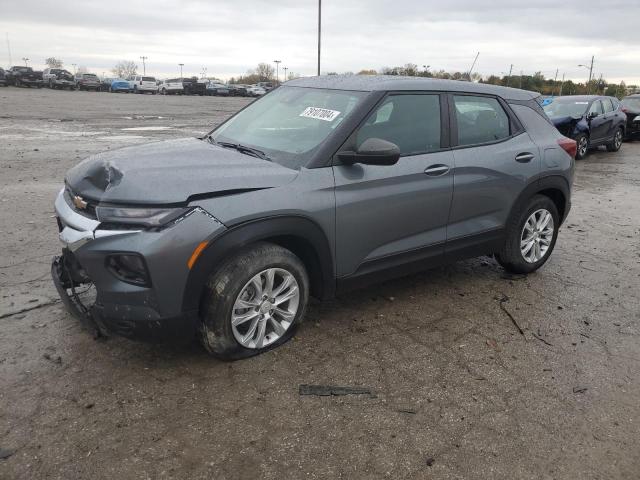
(203, 73)
(9, 50)
(144, 65)
(521, 73)
(25, 60)
(590, 74)
(319, 31)
(555, 80)
(74, 68)
(473, 65)
(181, 65)
(561, 85)
(509, 77)
(277, 62)
(285, 72)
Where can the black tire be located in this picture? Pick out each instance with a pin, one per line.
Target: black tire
(616, 141)
(228, 281)
(510, 257)
(583, 146)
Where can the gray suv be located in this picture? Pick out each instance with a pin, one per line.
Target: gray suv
(324, 184)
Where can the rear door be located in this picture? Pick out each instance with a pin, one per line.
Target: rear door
(609, 117)
(391, 215)
(494, 160)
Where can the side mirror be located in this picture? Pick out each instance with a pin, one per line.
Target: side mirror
(373, 151)
(592, 115)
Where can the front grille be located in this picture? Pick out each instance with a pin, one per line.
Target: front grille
(89, 211)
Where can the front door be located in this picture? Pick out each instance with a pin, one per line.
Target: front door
(389, 214)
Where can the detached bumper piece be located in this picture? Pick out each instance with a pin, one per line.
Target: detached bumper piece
(69, 280)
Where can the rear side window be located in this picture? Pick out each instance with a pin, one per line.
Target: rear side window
(608, 107)
(412, 122)
(148, 79)
(480, 120)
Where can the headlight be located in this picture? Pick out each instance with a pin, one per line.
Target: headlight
(637, 119)
(147, 217)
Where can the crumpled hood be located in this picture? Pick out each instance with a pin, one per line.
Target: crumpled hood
(170, 172)
(565, 121)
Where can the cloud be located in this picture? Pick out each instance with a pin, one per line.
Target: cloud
(229, 37)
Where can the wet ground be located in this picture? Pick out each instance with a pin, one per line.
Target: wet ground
(458, 391)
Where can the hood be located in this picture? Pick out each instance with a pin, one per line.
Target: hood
(565, 122)
(171, 172)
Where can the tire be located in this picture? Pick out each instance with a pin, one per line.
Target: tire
(135, 89)
(164, 91)
(582, 142)
(511, 257)
(234, 279)
(616, 143)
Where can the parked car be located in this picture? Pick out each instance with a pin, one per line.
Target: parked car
(267, 86)
(119, 85)
(3, 78)
(142, 84)
(227, 236)
(58, 78)
(218, 89)
(255, 91)
(590, 120)
(631, 108)
(25, 77)
(193, 86)
(88, 81)
(237, 90)
(172, 86)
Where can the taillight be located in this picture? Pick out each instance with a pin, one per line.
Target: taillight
(569, 146)
(624, 110)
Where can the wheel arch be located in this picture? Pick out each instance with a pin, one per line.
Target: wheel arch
(556, 187)
(301, 235)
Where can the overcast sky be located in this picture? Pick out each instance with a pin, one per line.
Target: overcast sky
(228, 37)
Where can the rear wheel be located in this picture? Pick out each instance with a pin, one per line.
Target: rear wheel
(531, 236)
(616, 143)
(254, 302)
(583, 146)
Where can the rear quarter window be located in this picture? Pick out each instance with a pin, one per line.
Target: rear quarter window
(480, 120)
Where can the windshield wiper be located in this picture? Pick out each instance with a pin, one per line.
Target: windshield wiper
(241, 148)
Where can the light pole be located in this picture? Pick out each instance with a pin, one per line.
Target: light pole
(590, 68)
(277, 62)
(25, 60)
(319, 31)
(204, 72)
(181, 65)
(285, 72)
(426, 70)
(74, 68)
(144, 65)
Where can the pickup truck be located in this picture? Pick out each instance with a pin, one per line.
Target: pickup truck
(194, 87)
(25, 77)
(58, 78)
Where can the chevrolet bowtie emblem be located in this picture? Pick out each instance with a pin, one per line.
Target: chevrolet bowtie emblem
(79, 202)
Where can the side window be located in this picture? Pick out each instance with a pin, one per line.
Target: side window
(480, 120)
(608, 107)
(596, 107)
(412, 122)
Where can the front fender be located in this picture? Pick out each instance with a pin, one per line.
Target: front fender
(272, 228)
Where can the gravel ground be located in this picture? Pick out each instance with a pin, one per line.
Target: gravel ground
(458, 391)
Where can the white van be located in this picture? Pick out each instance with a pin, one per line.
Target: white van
(141, 84)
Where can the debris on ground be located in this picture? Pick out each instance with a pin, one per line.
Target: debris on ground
(6, 453)
(580, 389)
(504, 300)
(332, 390)
(53, 358)
(430, 461)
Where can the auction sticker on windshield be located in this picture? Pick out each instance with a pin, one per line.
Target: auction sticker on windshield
(320, 113)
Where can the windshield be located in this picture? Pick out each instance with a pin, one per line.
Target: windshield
(290, 123)
(632, 103)
(566, 107)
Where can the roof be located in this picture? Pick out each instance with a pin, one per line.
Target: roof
(582, 98)
(370, 83)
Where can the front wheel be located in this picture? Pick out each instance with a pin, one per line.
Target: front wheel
(254, 302)
(531, 234)
(583, 146)
(616, 143)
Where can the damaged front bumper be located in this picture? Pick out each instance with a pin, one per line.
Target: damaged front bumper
(107, 302)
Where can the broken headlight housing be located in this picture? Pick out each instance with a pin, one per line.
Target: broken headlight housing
(145, 216)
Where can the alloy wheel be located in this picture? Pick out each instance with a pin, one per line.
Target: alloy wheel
(265, 308)
(583, 146)
(617, 140)
(536, 236)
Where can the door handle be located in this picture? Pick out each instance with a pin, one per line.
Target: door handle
(524, 157)
(436, 170)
